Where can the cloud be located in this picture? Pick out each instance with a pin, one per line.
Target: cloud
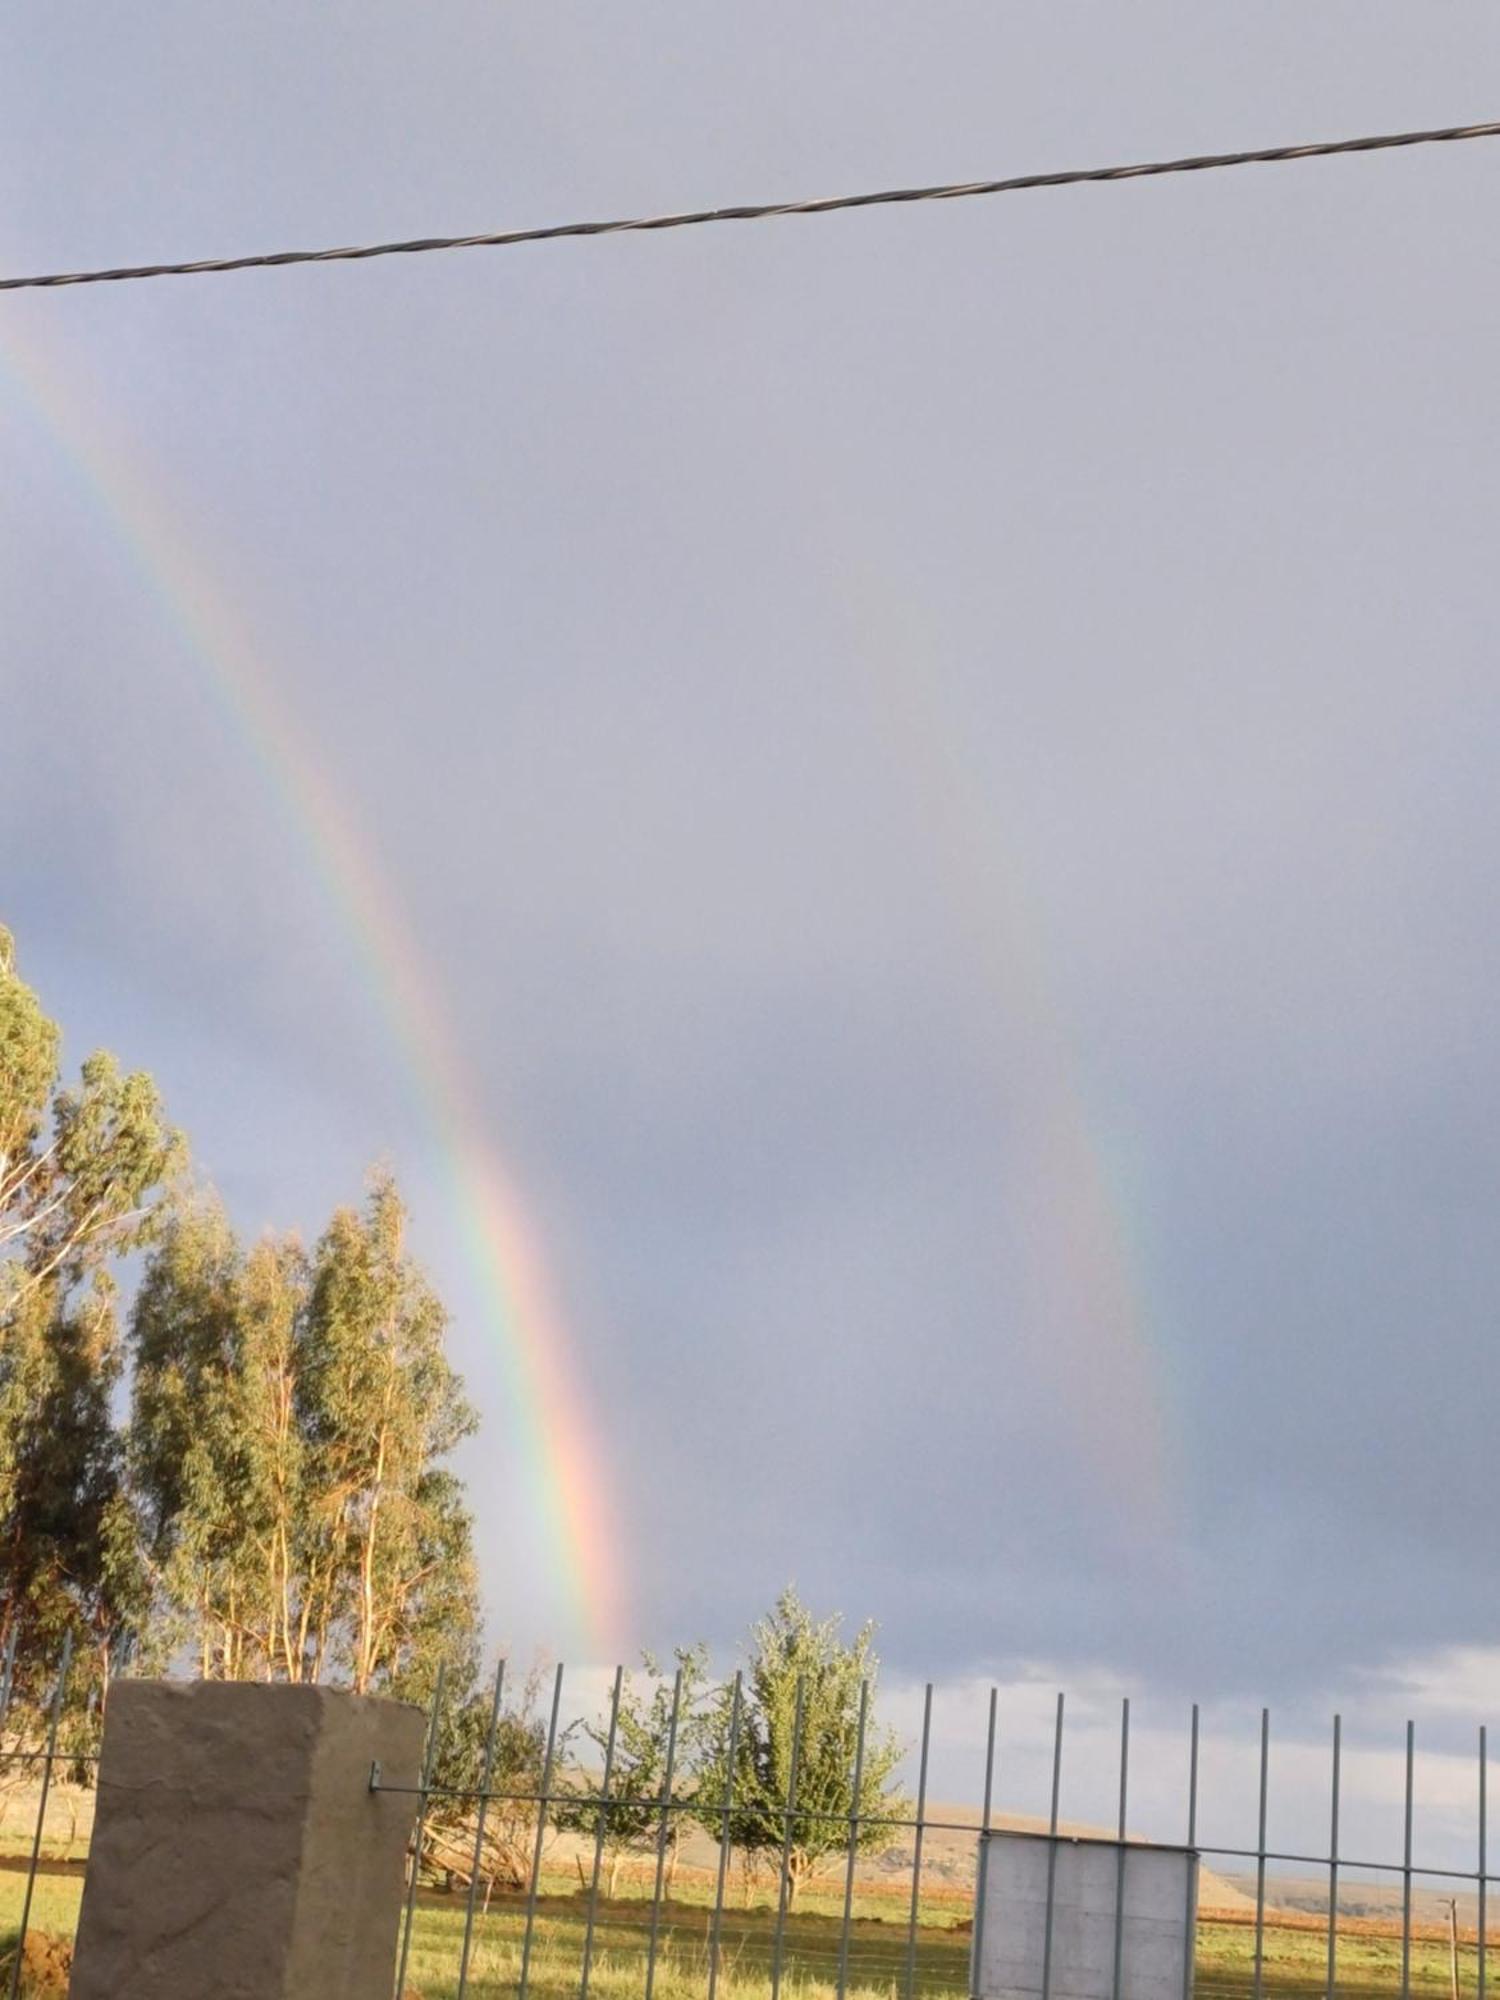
(842, 706)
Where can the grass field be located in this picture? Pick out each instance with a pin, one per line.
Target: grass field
(1294, 1965)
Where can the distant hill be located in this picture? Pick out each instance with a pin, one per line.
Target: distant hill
(1379, 1901)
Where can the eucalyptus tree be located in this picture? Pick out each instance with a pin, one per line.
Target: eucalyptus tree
(381, 1410)
(292, 1418)
(84, 1172)
(87, 1174)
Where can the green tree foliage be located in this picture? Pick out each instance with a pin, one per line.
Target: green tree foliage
(788, 1649)
(381, 1408)
(280, 1503)
(70, 1559)
(291, 1417)
(85, 1175)
(198, 1455)
(82, 1172)
(643, 1738)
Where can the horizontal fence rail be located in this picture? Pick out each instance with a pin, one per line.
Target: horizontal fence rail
(512, 1877)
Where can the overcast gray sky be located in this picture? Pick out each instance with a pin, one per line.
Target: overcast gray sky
(941, 761)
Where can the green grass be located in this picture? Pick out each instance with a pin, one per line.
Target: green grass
(54, 1901)
(877, 1951)
(1294, 1966)
(1295, 1962)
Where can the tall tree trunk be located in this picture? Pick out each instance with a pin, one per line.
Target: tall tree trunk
(366, 1650)
(798, 1865)
(364, 1666)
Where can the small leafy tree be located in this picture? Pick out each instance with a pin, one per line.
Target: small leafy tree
(790, 1648)
(632, 1821)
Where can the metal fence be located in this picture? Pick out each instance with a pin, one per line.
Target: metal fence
(924, 1959)
(889, 1928)
(43, 1759)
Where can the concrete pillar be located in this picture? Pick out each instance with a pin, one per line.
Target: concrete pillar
(238, 1851)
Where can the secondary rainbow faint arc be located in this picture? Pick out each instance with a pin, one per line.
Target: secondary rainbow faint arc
(1088, 1278)
(561, 1463)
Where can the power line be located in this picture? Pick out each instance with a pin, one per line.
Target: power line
(1382, 142)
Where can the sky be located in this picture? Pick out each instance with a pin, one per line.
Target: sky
(937, 765)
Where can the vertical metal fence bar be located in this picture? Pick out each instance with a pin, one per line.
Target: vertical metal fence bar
(429, 1759)
(725, 1827)
(543, 1806)
(786, 1842)
(7, 1676)
(854, 1801)
(981, 1867)
(484, 1800)
(1192, 1842)
(1057, 1743)
(1260, 1855)
(916, 1859)
(665, 1830)
(41, 1811)
(601, 1831)
(1120, 1850)
(7, 1682)
(1483, 1859)
(1411, 1737)
(1333, 1865)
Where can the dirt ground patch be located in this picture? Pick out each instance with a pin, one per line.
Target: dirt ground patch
(46, 1966)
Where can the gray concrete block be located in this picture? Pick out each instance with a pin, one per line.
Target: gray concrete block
(238, 1851)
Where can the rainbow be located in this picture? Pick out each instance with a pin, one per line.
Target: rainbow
(1076, 1249)
(560, 1458)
